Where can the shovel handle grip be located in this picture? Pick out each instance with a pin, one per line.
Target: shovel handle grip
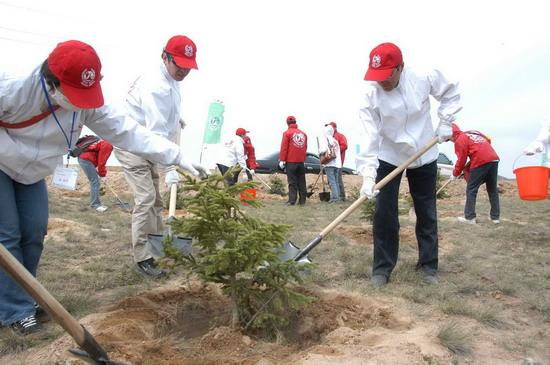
(378, 186)
(173, 197)
(41, 295)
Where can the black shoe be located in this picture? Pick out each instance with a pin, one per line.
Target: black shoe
(289, 203)
(149, 268)
(378, 281)
(27, 325)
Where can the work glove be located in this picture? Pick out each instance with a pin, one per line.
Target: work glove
(188, 166)
(282, 165)
(243, 177)
(444, 132)
(172, 177)
(252, 172)
(533, 148)
(368, 187)
(203, 171)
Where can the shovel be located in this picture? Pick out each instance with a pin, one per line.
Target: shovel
(156, 241)
(310, 193)
(324, 196)
(121, 204)
(303, 253)
(90, 351)
(261, 180)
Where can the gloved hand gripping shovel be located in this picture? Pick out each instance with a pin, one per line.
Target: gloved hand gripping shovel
(256, 176)
(89, 351)
(290, 249)
(157, 240)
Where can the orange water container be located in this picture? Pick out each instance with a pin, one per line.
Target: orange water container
(532, 182)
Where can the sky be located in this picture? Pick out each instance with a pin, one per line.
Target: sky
(269, 59)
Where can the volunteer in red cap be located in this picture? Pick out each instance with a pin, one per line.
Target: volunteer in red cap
(397, 123)
(482, 168)
(292, 155)
(343, 143)
(41, 117)
(154, 101)
(249, 152)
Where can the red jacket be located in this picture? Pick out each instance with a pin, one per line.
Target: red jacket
(343, 142)
(98, 154)
(293, 145)
(473, 145)
(250, 153)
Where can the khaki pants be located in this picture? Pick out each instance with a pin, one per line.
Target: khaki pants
(143, 178)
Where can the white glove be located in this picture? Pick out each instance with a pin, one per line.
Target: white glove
(533, 148)
(172, 177)
(243, 177)
(252, 172)
(444, 133)
(282, 165)
(188, 166)
(368, 188)
(203, 171)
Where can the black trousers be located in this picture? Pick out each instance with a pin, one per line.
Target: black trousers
(422, 185)
(487, 174)
(230, 179)
(296, 177)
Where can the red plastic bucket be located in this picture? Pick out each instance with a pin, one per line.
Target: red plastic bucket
(248, 194)
(532, 182)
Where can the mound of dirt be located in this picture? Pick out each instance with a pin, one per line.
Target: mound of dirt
(187, 325)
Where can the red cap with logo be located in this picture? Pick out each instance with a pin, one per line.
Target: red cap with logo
(290, 119)
(183, 50)
(78, 68)
(383, 59)
(333, 124)
(241, 131)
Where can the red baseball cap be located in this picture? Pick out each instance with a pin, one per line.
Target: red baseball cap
(382, 61)
(332, 124)
(183, 50)
(290, 119)
(241, 131)
(78, 68)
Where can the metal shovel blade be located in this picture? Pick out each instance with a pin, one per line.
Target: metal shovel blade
(289, 252)
(84, 356)
(156, 241)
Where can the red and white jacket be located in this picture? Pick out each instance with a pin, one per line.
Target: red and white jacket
(98, 153)
(293, 145)
(473, 145)
(250, 153)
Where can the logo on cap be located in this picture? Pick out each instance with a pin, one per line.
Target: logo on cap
(87, 77)
(376, 61)
(188, 50)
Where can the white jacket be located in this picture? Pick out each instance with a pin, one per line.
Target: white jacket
(30, 154)
(154, 101)
(398, 123)
(328, 141)
(232, 153)
(544, 134)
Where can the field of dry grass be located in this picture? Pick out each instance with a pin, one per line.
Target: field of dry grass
(492, 305)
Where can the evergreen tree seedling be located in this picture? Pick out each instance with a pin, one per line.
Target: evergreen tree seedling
(239, 252)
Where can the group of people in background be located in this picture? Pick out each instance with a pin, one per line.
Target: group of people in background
(43, 113)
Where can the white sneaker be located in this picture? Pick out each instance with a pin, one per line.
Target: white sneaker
(495, 221)
(101, 208)
(469, 221)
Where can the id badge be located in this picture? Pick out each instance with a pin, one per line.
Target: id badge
(65, 177)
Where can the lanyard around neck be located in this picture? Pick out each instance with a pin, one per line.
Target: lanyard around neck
(69, 138)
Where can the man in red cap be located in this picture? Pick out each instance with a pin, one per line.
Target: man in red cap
(482, 169)
(397, 123)
(343, 143)
(291, 157)
(41, 117)
(154, 101)
(249, 152)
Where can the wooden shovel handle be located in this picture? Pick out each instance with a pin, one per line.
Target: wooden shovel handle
(378, 186)
(173, 197)
(41, 295)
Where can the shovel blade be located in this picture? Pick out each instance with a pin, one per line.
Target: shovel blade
(289, 252)
(156, 243)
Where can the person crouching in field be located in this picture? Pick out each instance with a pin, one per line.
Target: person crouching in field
(483, 169)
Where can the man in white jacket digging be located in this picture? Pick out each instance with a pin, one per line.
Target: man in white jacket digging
(396, 122)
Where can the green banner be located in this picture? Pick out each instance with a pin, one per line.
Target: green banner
(214, 123)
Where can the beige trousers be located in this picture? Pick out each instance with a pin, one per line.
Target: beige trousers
(143, 178)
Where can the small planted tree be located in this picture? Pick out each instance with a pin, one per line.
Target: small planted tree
(277, 186)
(238, 252)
